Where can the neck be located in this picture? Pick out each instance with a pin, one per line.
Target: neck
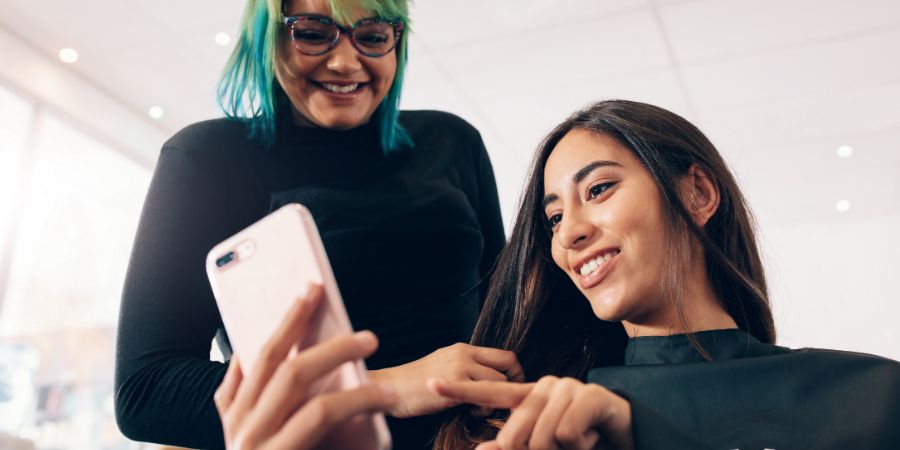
(701, 310)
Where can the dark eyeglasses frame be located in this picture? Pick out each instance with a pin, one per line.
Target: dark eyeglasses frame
(289, 22)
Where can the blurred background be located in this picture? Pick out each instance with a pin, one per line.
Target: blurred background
(801, 97)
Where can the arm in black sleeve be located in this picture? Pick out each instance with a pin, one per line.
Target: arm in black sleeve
(489, 217)
(164, 380)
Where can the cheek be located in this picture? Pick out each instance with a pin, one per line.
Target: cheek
(385, 70)
(558, 254)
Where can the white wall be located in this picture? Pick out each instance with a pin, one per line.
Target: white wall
(835, 284)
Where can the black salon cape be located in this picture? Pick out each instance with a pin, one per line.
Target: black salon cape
(755, 396)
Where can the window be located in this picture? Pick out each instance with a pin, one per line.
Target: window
(78, 211)
(15, 116)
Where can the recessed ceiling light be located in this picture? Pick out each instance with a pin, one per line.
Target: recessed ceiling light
(222, 39)
(68, 55)
(156, 112)
(845, 151)
(842, 206)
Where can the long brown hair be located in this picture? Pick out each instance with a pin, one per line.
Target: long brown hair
(534, 309)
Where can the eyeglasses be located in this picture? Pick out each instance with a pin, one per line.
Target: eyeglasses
(315, 35)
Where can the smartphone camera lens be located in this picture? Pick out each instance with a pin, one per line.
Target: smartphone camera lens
(224, 260)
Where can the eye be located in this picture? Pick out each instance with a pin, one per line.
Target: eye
(372, 39)
(598, 189)
(312, 36)
(554, 220)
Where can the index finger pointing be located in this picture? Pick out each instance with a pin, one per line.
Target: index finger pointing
(494, 394)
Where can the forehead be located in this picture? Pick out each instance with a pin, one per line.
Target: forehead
(351, 9)
(579, 148)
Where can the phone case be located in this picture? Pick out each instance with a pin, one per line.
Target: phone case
(257, 275)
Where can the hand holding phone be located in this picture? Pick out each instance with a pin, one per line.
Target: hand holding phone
(256, 276)
(266, 407)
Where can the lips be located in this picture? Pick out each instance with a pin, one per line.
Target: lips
(341, 88)
(593, 269)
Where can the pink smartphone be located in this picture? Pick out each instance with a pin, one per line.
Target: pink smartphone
(257, 275)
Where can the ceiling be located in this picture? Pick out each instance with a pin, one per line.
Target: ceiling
(777, 85)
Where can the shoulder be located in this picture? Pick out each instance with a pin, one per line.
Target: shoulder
(421, 123)
(210, 142)
(848, 357)
(210, 134)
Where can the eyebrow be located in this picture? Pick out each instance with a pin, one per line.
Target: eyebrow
(580, 176)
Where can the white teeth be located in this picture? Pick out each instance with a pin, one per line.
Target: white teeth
(340, 89)
(592, 265)
(585, 269)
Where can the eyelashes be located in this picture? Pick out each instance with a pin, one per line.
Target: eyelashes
(598, 189)
(593, 192)
(554, 220)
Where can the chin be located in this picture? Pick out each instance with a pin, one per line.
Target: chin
(607, 306)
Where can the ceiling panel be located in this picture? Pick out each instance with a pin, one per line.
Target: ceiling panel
(709, 29)
(815, 69)
(445, 24)
(85, 26)
(525, 118)
(593, 53)
(181, 16)
(833, 120)
(157, 74)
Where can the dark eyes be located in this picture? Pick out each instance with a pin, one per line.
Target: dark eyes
(372, 39)
(593, 192)
(312, 36)
(598, 190)
(554, 220)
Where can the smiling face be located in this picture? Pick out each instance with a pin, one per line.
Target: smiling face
(340, 89)
(608, 223)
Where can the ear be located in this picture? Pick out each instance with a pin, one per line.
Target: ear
(700, 194)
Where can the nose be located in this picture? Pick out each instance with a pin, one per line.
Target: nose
(574, 231)
(344, 58)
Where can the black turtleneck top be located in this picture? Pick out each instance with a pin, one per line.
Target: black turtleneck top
(754, 396)
(411, 238)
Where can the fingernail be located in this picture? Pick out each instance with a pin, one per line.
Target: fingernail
(366, 338)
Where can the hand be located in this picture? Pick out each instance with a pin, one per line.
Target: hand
(550, 414)
(456, 362)
(267, 411)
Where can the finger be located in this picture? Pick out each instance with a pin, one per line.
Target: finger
(484, 373)
(591, 439)
(503, 360)
(545, 434)
(518, 429)
(225, 393)
(494, 394)
(289, 387)
(277, 347)
(596, 408)
(309, 424)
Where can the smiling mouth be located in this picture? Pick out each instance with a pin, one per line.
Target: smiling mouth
(594, 265)
(340, 89)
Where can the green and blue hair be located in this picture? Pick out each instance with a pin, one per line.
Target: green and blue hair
(249, 91)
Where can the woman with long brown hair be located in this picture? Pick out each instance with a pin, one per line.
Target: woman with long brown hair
(630, 207)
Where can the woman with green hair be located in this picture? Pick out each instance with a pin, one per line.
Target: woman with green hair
(405, 202)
